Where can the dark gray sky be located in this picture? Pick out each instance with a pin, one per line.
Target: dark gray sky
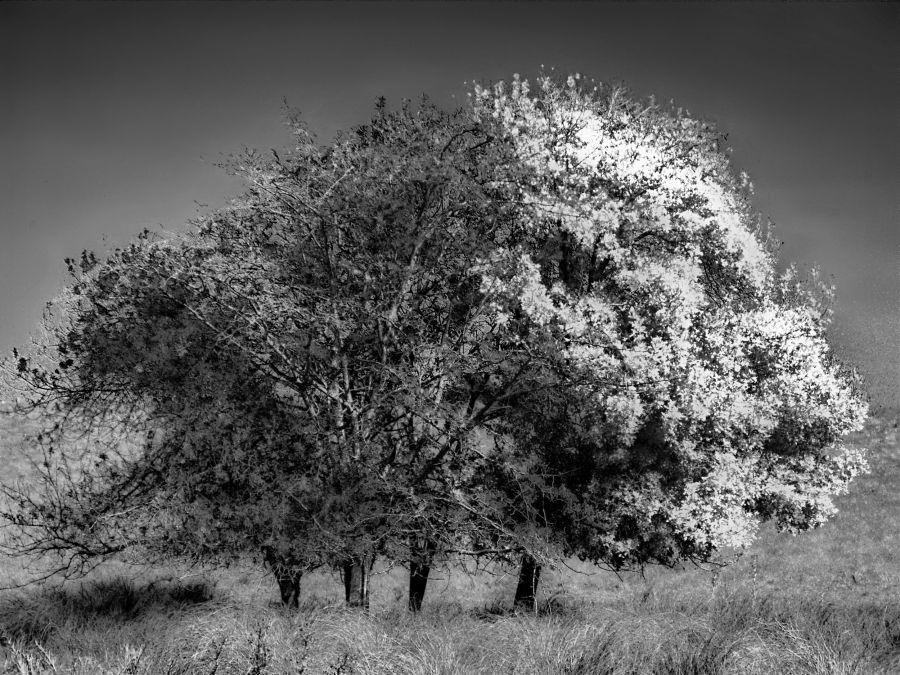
(112, 115)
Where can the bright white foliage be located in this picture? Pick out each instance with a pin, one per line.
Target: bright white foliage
(721, 376)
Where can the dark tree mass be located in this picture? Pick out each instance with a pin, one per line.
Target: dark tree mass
(547, 325)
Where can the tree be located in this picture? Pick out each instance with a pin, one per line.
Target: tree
(304, 365)
(691, 393)
(545, 326)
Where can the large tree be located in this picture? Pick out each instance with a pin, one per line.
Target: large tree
(693, 393)
(548, 324)
(305, 365)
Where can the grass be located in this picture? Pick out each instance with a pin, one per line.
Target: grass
(115, 626)
(822, 602)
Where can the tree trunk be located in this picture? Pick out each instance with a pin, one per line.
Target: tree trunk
(419, 567)
(356, 581)
(288, 579)
(289, 586)
(526, 590)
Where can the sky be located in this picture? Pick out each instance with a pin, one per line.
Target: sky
(113, 116)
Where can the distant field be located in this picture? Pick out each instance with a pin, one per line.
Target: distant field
(823, 602)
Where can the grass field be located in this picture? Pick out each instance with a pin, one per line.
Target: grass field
(823, 602)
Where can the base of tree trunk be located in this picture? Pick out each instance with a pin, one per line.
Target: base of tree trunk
(418, 579)
(526, 589)
(356, 582)
(288, 579)
(421, 553)
(289, 586)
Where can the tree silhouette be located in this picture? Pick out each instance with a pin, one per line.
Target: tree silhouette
(547, 325)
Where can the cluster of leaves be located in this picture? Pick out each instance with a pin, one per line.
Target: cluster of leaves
(547, 323)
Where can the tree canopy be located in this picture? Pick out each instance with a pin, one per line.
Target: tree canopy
(550, 323)
(695, 393)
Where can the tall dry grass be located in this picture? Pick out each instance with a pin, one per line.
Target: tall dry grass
(118, 626)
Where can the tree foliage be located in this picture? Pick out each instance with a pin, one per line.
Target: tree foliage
(548, 323)
(694, 393)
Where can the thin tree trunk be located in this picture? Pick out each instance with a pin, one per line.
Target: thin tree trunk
(356, 581)
(419, 567)
(526, 590)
